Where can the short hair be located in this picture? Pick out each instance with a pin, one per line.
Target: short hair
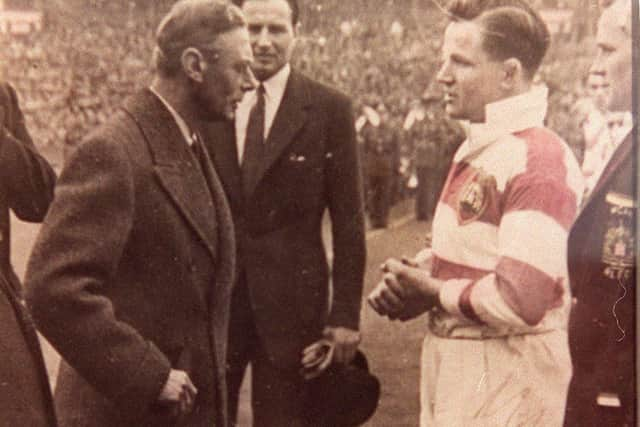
(293, 5)
(511, 29)
(622, 9)
(192, 23)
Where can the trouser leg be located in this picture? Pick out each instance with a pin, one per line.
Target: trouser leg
(242, 338)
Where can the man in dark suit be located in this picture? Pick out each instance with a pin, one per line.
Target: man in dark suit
(602, 256)
(131, 275)
(291, 156)
(26, 188)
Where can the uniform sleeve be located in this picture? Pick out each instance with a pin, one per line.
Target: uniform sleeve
(346, 207)
(530, 276)
(74, 259)
(27, 176)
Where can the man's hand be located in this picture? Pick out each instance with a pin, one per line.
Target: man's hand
(316, 358)
(422, 260)
(407, 289)
(387, 298)
(179, 392)
(345, 342)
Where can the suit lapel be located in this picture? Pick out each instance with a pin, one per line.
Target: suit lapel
(291, 116)
(220, 141)
(175, 166)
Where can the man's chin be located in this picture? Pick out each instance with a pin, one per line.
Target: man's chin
(452, 112)
(216, 116)
(263, 73)
(229, 115)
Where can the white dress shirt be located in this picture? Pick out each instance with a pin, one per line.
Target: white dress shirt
(273, 92)
(617, 134)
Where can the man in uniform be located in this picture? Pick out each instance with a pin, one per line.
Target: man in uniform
(424, 137)
(602, 255)
(496, 352)
(434, 149)
(382, 161)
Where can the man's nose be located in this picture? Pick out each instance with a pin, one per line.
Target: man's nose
(596, 66)
(249, 82)
(444, 76)
(262, 39)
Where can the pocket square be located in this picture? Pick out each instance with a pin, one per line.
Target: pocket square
(293, 157)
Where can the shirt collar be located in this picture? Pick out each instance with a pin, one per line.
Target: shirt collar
(275, 85)
(624, 127)
(507, 116)
(182, 125)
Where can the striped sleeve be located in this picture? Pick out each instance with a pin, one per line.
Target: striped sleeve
(539, 205)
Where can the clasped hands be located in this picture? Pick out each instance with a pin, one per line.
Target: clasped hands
(407, 288)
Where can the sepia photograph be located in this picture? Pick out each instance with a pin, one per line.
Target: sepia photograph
(319, 213)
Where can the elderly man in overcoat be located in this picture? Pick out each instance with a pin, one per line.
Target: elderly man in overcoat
(130, 278)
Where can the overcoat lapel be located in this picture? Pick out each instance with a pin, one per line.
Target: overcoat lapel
(619, 156)
(291, 116)
(175, 166)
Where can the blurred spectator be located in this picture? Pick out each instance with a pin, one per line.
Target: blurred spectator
(382, 161)
(77, 71)
(434, 138)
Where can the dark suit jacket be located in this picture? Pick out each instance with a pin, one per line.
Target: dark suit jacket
(26, 187)
(311, 165)
(603, 272)
(131, 274)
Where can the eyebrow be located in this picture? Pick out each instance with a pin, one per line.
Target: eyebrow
(605, 45)
(459, 58)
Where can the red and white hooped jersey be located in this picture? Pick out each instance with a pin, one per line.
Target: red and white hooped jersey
(500, 234)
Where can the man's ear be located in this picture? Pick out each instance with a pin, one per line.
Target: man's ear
(193, 64)
(512, 69)
(296, 33)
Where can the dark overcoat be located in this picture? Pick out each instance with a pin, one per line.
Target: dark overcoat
(26, 178)
(131, 274)
(25, 396)
(311, 165)
(26, 188)
(602, 268)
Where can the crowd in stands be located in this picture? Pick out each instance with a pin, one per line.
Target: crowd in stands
(72, 75)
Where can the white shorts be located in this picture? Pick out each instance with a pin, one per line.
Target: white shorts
(503, 382)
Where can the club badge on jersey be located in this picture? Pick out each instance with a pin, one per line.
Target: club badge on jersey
(619, 240)
(475, 196)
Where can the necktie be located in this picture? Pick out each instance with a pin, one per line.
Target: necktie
(254, 141)
(198, 151)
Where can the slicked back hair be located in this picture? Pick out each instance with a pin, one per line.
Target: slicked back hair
(293, 5)
(623, 11)
(192, 23)
(511, 29)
